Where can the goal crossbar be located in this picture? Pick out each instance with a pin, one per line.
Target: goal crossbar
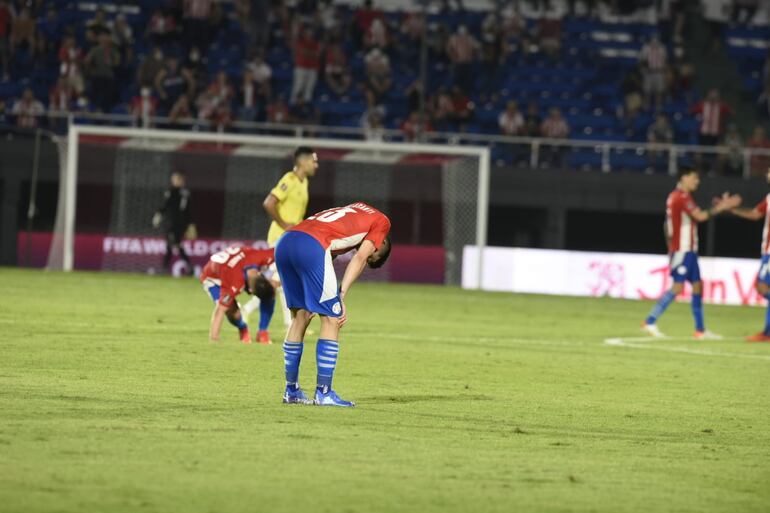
(76, 131)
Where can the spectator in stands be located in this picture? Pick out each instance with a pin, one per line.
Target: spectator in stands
(161, 29)
(378, 75)
(336, 71)
(60, 98)
(3, 115)
(532, 120)
(181, 114)
(513, 24)
(377, 35)
(50, 31)
(372, 125)
(170, 84)
(462, 109)
(731, 163)
(196, 16)
(549, 36)
(144, 107)
(510, 121)
(28, 110)
(462, 49)
(6, 21)
(364, 17)
(278, 111)
(492, 51)
(683, 75)
(653, 59)
(249, 98)
(261, 73)
(413, 127)
(23, 32)
(759, 141)
(102, 62)
(123, 37)
(554, 126)
(743, 11)
(711, 113)
(307, 56)
(194, 69)
(442, 109)
(149, 67)
(659, 132)
(329, 17)
(70, 64)
(97, 26)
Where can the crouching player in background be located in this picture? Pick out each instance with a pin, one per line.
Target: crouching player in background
(304, 259)
(761, 212)
(681, 230)
(226, 275)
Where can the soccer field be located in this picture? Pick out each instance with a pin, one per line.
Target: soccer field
(112, 399)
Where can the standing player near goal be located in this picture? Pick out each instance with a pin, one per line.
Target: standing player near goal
(304, 258)
(229, 272)
(761, 211)
(174, 215)
(681, 229)
(286, 205)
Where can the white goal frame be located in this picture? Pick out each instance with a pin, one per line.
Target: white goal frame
(75, 131)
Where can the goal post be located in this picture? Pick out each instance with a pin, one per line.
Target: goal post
(119, 174)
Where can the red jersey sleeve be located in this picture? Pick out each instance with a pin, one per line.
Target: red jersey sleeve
(762, 206)
(687, 204)
(378, 231)
(227, 294)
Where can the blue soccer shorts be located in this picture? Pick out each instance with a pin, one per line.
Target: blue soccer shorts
(307, 274)
(764, 270)
(213, 288)
(684, 267)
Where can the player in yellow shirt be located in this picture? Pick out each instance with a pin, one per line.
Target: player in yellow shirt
(286, 205)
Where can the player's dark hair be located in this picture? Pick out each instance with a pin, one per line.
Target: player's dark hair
(685, 170)
(302, 151)
(384, 253)
(263, 289)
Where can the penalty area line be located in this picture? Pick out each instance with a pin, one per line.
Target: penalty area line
(645, 343)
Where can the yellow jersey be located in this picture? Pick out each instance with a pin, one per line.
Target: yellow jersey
(292, 203)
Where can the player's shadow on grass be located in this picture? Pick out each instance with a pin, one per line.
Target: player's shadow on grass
(416, 398)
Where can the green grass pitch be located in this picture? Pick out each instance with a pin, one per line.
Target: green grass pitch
(112, 399)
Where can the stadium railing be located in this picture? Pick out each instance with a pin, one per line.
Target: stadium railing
(530, 152)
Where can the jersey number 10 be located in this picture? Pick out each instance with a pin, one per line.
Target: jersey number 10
(329, 216)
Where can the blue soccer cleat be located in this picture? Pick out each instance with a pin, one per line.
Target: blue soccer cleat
(329, 397)
(295, 395)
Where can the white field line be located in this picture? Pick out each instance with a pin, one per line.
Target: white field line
(645, 343)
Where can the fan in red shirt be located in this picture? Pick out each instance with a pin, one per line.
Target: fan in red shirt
(304, 256)
(226, 275)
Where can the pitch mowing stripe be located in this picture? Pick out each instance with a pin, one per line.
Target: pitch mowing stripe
(644, 343)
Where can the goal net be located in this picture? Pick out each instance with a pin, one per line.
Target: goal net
(114, 179)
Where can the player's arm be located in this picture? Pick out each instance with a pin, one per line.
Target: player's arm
(726, 202)
(752, 214)
(271, 207)
(217, 317)
(356, 266)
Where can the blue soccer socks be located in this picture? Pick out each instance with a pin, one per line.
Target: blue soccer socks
(266, 309)
(326, 359)
(292, 354)
(697, 311)
(660, 307)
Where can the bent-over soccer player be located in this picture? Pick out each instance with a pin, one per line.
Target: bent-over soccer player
(304, 259)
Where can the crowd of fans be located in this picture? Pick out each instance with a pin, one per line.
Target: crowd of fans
(164, 66)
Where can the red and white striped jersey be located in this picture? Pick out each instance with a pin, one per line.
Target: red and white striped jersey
(681, 227)
(712, 116)
(762, 209)
(654, 56)
(344, 228)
